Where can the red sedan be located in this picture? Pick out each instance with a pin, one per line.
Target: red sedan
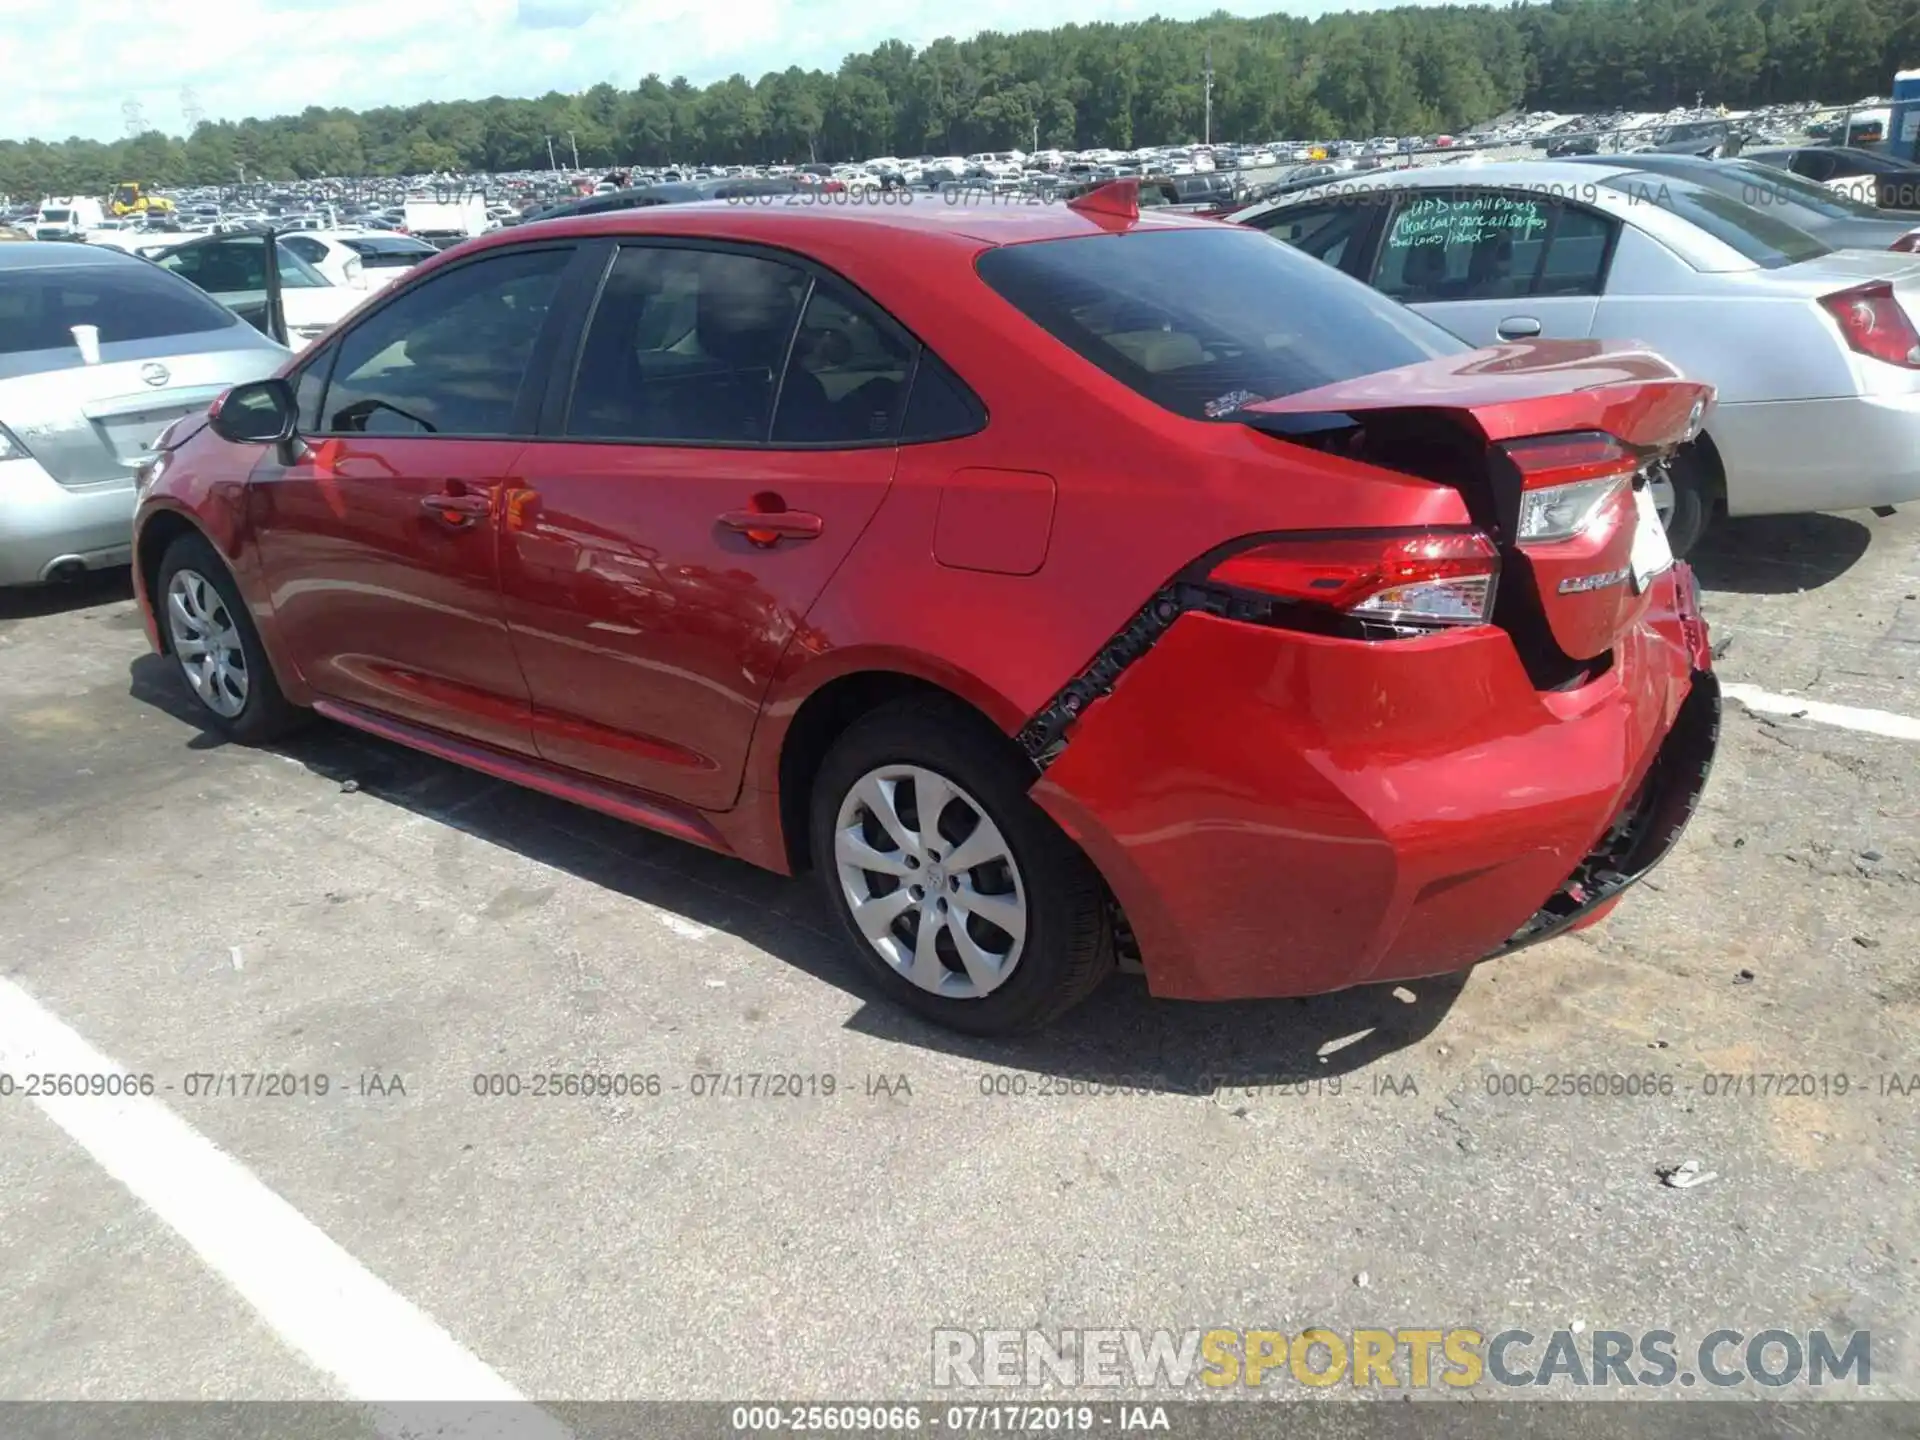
(1050, 580)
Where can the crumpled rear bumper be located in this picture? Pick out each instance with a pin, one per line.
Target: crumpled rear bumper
(1286, 814)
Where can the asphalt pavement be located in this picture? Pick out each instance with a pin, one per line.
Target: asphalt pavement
(342, 915)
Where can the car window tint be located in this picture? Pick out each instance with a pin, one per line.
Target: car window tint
(449, 356)
(1765, 187)
(1575, 255)
(1321, 231)
(310, 388)
(686, 345)
(1814, 164)
(306, 247)
(1462, 245)
(941, 406)
(1205, 319)
(39, 308)
(1766, 240)
(847, 379)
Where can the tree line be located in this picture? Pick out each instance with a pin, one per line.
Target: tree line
(1413, 70)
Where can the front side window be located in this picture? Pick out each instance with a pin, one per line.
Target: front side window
(1204, 319)
(447, 357)
(1322, 231)
(686, 346)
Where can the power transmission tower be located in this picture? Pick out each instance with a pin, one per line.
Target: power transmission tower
(134, 115)
(1208, 86)
(190, 110)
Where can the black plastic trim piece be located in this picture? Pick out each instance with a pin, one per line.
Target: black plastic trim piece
(1647, 828)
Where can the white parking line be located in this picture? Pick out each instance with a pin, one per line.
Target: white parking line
(322, 1302)
(1845, 717)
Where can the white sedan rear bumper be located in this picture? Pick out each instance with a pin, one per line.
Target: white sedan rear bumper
(1783, 457)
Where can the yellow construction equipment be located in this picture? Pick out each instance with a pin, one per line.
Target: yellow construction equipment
(130, 199)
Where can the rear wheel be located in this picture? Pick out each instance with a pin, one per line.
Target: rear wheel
(962, 898)
(1684, 498)
(213, 640)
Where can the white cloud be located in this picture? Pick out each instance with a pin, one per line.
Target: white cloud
(76, 63)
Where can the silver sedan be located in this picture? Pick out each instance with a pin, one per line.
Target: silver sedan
(99, 352)
(1814, 351)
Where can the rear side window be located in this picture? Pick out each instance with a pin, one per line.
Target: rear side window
(1766, 240)
(1322, 231)
(847, 381)
(1204, 320)
(39, 308)
(941, 406)
(686, 346)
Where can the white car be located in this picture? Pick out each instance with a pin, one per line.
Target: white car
(232, 269)
(359, 259)
(1814, 352)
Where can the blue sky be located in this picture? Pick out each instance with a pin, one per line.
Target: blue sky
(78, 63)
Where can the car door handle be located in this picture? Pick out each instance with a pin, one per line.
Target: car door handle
(457, 511)
(769, 527)
(1518, 327)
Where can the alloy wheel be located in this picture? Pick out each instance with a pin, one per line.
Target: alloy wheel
(931, 881)
(207, 643)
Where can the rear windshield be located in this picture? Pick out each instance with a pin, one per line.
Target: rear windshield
(1763, 185)
(1204, 321)
(39, 308)
(1766, 240)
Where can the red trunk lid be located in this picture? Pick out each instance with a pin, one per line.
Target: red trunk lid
(1570, 514)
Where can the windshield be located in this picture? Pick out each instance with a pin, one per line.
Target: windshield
(390, 251)
(1204, 321)
(1768, 241)
(56, 217)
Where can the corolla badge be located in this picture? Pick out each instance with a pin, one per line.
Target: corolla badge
(155, 374)
(1580, 584)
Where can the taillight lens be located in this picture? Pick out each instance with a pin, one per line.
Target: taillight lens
(1874, 324)
(1426, 580)
(1567, 483)
(1908, 242)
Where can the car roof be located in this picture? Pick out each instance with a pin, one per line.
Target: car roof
(929, 220)
(56, 254)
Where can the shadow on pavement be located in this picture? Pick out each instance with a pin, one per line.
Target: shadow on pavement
(96, 587)
(1121, 1038)
(1779, 554)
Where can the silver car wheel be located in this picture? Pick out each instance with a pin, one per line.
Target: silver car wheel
(931, 881)
(207, 643)
(1660, 486)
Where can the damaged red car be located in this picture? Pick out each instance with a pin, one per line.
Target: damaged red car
(1053, 582)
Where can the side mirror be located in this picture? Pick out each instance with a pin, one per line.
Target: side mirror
(260, 412)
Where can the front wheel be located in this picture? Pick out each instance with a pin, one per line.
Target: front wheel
(961, 897)
(212, 638)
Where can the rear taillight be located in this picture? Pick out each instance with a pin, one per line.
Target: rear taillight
(1568, 483)
(1873, 324)
(1423, 580)
(1908, 242)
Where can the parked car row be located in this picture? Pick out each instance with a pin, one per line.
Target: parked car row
(1717, 265)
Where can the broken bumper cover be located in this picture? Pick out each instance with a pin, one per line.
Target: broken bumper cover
(1283, 814)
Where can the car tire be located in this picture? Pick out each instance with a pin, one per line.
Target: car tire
(1692, 502)
(213, 640)
(1022, 872)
